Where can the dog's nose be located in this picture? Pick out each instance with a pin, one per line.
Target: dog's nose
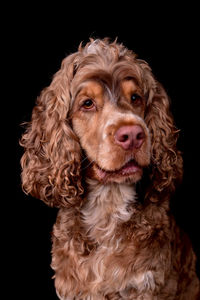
(130, 137)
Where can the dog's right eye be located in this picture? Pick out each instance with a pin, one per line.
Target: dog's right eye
(136, 99)
(88, 104)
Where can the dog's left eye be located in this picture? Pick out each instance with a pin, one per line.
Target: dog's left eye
(88, 104)
(135, 98)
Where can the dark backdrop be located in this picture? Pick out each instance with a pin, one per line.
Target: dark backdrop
(166, 37)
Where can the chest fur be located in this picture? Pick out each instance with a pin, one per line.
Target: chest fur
(111, 253)
(111, 264)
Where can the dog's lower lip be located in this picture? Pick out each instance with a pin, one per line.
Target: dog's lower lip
(129, 168)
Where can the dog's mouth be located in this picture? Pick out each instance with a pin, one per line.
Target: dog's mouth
(130, 168)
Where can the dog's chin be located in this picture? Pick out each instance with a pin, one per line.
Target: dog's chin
(130, 172)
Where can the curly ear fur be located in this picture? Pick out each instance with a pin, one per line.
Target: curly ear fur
(166, 164)
(51, 162)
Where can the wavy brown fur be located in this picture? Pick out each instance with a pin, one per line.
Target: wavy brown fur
(49, 171)
(106, 245)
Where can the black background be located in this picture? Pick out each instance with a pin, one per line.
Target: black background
(38, 39)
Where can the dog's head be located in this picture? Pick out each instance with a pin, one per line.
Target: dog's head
(103, 113)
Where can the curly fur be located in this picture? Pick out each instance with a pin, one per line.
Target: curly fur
(106, 243)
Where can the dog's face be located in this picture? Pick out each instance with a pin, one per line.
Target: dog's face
(106, 104)
(108, 118)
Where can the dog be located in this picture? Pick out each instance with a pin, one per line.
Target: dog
(101, 146)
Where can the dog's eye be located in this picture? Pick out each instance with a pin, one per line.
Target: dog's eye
(88, 104)
(136, 99)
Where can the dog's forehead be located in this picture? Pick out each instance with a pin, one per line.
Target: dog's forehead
(108, 73)
(111, 82)
(111, 75)
(97, 89)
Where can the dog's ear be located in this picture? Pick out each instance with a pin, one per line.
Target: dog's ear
(166, 160)
(51, 162)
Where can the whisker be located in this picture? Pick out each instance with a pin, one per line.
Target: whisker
(91, 162)
(84, 159)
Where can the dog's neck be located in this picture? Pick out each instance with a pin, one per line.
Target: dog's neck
(105, 207)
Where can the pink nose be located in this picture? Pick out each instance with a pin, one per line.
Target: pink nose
(130, 137)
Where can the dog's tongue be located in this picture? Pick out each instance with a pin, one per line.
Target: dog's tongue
(101, 173)
(128, 168)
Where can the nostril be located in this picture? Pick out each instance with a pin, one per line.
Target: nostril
(123, 138)
(140, 135)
